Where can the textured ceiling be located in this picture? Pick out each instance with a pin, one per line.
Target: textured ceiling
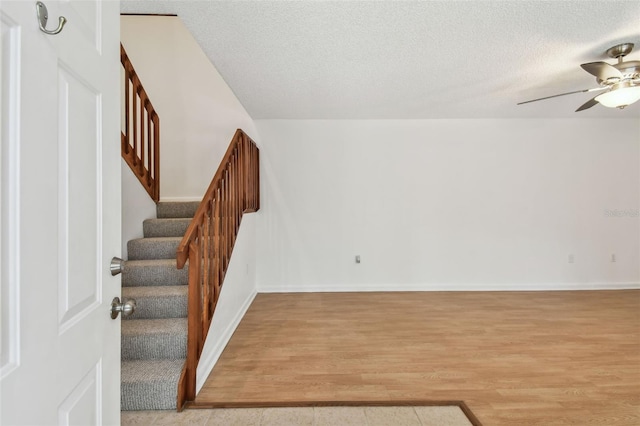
(407, 59)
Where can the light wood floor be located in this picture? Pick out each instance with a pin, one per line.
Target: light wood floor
(515, 358)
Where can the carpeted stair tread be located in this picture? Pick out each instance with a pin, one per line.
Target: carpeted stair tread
(157, 302)
(153, 248)
(154, 272)
(149, 384)
(176, 209)
(171, 227)
(154, 338)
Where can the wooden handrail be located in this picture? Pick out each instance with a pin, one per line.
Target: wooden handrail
(141, 135)
(208, 244)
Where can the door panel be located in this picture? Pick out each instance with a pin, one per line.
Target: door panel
(83, 405)
(78, 222)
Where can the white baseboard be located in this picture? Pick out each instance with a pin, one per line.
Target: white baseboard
(179, 199)
(206, 364)
(449, 287)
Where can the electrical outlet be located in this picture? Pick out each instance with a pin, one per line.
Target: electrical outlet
(357, 258)
(571, 258)
(613, 258)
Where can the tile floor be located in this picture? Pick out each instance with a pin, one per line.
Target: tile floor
(303, 416)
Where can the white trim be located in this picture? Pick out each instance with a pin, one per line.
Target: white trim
(206, 364)
(179, 199)
(450, 287)
(10, 197)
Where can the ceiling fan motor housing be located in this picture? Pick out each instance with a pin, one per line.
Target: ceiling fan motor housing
(630, 71)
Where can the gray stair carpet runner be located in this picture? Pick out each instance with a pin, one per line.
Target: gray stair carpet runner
(154, 337)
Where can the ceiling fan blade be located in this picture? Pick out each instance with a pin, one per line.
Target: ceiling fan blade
(591, 102)
(602, 70)
(563, 94)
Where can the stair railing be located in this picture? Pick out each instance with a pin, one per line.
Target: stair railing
(141, 133)
(208, 244)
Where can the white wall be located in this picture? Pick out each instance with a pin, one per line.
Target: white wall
(448, 204)
(137, 206)
(198, 111)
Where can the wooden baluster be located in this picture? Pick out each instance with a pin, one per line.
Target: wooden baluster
(238, 212)
(250, 178)
(247, 189)
(232, 194)
(125, 146)
(235, 194)
(134, 115)
(245, 173)
(256, 171)
(227, 229)
(211, 254)
(193, 321)
(240, 175)
(229, 218)
(203, 284)
(205, 266)
(223, 244)
(142, 139)
(230, 202)
(156, 158)
(229, 235)
(150, 153)
(217, 230)
(256, 192)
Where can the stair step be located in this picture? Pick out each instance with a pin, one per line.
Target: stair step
(158, 302)
(153, 248)
(154, 339)
(182, 209)
(154, 272)
(149, 384)
(171, 227)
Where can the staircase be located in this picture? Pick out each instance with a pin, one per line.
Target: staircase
(154, 337)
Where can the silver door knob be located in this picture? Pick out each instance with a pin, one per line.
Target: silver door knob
(127, 307)
(116, 266)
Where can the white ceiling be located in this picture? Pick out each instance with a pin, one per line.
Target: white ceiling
(407, 59)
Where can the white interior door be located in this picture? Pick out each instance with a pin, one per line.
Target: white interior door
(60, 207)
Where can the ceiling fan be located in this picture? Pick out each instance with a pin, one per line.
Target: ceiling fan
(621, 81)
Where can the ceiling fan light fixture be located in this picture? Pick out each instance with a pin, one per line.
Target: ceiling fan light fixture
(621, 81)
(619, 98)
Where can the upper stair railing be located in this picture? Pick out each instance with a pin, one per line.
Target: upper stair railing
(141, 132)
(208, 243)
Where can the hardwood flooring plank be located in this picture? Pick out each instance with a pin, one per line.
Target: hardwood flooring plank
(515, 358)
